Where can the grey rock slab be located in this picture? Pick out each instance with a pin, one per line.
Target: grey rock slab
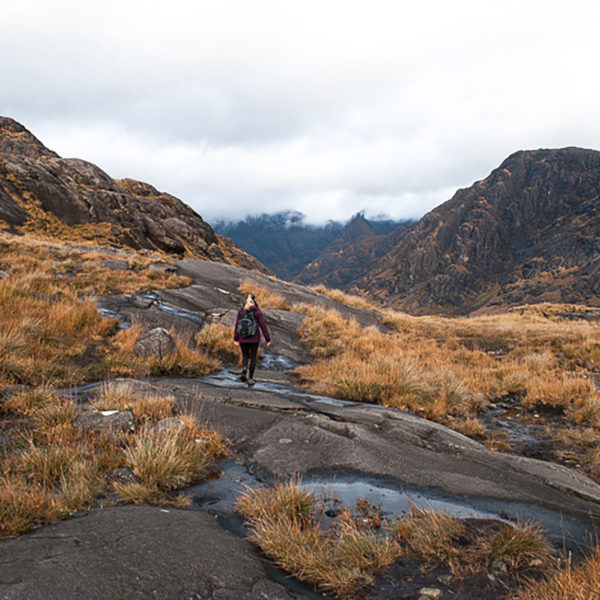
(135, 553)
(381, 442)
(115, 264)
(162, 267)
(157, 343)
(105, 420)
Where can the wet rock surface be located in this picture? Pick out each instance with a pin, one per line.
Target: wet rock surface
(105, 420)
(138, 553)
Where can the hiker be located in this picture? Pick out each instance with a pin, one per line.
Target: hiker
(246, 334)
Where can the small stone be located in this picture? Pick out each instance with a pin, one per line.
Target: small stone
(491, 578)
(143, 301)
(115, 264)
(285, 441)
(431, 593)
(168, 424)
(122, 475)
(162, 267)
(536, 562)
(120, 420)
(499, 567)
(157, 343)
(446, 580)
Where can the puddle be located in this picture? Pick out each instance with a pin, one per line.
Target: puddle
(229, 379)
(277, 362)
(572, 532)
(219, 495)
(123, 320)
(158, 302)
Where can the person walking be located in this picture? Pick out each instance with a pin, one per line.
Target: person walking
(246, 334)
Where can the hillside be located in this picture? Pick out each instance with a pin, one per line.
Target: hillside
(527, 233)
(72, 199)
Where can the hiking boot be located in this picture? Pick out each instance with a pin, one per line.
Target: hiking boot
(243, 376)
(251, 382)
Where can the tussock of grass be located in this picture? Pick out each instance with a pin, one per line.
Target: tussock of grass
(580, 582)
(54, 468)
(430, 534)
(145, 407)
(265, 298)
(216, 339)
(285, 522)
(22, 508)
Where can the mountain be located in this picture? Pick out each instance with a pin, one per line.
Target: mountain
(283, 241)
(296, 250)
(75, 200)
(529, 232)
(360, 243)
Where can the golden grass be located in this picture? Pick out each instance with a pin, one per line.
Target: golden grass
(146, 408)
(284, 521)
(50, 330)
(264, 297)
(53, 468)
(216, 339)
(581, 582)
(449, 369)
(340, 561)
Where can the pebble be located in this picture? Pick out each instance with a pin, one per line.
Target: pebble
(446, 579)
(430, 594)
(285, 441)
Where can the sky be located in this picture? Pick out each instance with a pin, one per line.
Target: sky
(326, 107)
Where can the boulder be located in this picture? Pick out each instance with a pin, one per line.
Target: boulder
(115, 264)
(162, 267)
(157, 343)
(105, 420)
(122, 475)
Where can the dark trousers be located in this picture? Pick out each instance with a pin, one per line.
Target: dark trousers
(249, 352)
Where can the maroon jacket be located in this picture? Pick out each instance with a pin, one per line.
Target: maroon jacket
(255, 339)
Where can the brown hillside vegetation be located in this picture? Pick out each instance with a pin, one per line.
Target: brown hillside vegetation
(71, 199)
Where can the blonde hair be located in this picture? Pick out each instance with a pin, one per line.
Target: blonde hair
(249, 302)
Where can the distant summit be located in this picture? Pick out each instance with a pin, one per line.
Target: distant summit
(296, 250)
(74, 200)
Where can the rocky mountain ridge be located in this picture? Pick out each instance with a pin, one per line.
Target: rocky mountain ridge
(527, 233)
(74, 199)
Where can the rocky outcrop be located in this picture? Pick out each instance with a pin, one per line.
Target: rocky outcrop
(527, 233)
(74, 199)
(157, 343)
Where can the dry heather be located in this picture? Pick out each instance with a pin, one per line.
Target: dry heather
(285, 521)
(52, 468)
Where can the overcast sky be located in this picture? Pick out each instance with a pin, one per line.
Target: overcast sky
(327, 107)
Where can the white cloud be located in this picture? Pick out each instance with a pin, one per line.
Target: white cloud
(326, 107)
